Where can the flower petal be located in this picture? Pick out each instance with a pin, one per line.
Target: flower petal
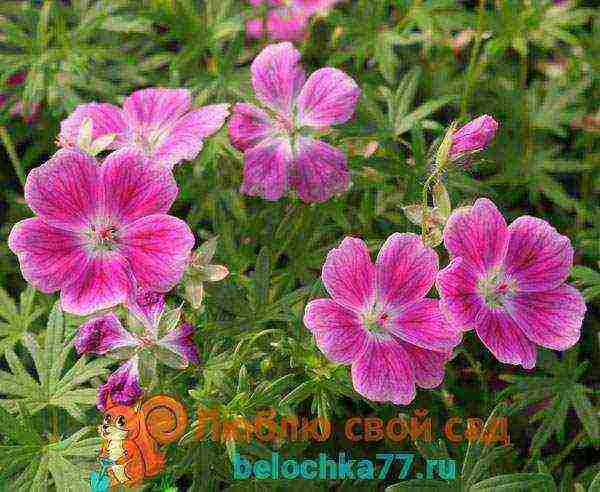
(460, 303)
(155, 108)
(277, 76)
(422, 324)
(49, 257)
(248, 126)
(123, 386)
(320, 171)
(478, 234)
(147, 306)
(287, 23)
(104, 283)
(184, 139)
(500, 334)
(266, 169)
(349, 275)
(101, 335)
(538, 257)
(328, 98)
(428, 365)
(181, 342)
(406, 270)
(106, 118)
(65, 191)
(552, 318)
(157, 247)
(337, 330)
(134, 187)
(384, 372)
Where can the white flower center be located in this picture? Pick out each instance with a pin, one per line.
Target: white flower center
(496, 287)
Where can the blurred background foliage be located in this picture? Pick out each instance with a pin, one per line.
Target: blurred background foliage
(421, 64)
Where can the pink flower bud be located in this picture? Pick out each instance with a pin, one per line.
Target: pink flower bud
(475, 135)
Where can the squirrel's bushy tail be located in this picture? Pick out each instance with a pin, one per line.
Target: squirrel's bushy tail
(164, 421)
(166, 418)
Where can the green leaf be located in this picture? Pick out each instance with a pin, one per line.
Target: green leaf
(517, 482)
(54, 387)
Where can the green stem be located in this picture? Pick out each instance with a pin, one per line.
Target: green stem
(477, 368)
(425, 197)
(12, 154)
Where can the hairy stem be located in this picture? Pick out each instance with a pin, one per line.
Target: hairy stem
(12, 154)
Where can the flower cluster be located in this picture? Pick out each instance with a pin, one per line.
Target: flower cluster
(102, 236)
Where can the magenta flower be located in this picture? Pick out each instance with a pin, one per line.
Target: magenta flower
(100, 229)
(180, 342)
(508, 283)
(474, 136)
(286, 20)
(279, 152)
(378, 319)
(123, 386)
(159, 122)
(101, 335)
(162, 331)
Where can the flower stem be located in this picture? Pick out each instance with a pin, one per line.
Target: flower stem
(12, 154)
(477, 369)
(425, 197)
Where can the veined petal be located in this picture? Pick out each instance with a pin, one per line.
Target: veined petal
(266, 169)
(155, 108)
(66, 190)
(104, 283)
(157, 248)
(185, 139)
(106, 118)
(538, 257)
(337, 330)
(428, 365)
(328, 98)
(551, 318)
(123, 386)
(501, 335)
(406, 271)
(349, 275)
(478, 234)
(422, 324)
(147, 306)
(460, 302)
(277, 76)
(101, 335)
(181, 342)
(135, 187)
(320, 171)
(248, 126)
(384, 372)
(49, 257)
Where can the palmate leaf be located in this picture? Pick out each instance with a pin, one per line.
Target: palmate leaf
(557, 391)
(32, 467)
(17, 319)
(55, 386)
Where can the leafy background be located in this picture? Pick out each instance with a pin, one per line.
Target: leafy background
(532, 64)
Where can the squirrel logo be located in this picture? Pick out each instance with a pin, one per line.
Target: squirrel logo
(131, 437)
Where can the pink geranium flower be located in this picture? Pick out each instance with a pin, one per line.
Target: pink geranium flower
(378, 319)
(508, 283)
(100, 229)
(286, 20)
(159, 122)
(279, 152)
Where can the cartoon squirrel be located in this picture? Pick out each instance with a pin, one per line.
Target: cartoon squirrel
(131, 437)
